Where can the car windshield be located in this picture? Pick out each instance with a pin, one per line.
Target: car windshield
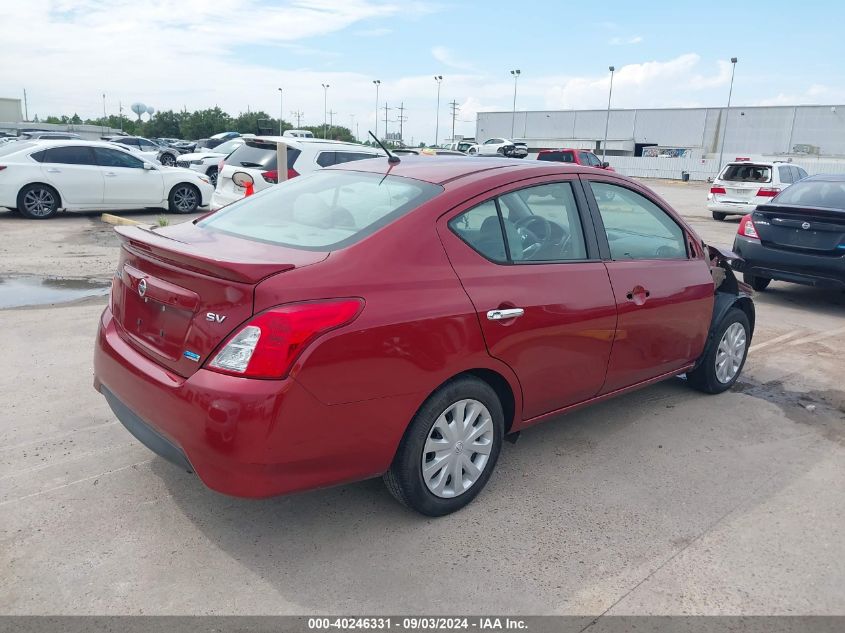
(228, 146)
(562, 157)
(323, 211)
(814, 193)
(747, 172)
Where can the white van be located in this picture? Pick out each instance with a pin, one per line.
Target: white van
(298, 134)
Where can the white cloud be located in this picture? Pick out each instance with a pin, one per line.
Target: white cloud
(374, 32)
(620, 41)
(447, 58)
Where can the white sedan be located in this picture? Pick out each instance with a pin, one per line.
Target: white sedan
(40, 177)
(208, 162)
(500, 146)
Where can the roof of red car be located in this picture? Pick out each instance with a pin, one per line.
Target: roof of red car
(442, 169)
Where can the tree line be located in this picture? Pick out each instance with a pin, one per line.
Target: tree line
(199, 124)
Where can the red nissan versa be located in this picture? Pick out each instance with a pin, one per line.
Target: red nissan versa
(401, 319)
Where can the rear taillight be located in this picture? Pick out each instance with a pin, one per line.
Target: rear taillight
(267, 346)
(720, 190)
(220, 165)
(747, 228)
(2, 167)
(767, 192)
(271, 176)
(292, 173)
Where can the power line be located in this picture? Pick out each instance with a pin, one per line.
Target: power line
(298, 114)
(402, 119)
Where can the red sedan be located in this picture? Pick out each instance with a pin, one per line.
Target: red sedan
(402, 319)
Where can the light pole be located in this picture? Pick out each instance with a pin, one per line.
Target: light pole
(727, 112)
(438, 79)
(352, 125)
(281, 110)
(325, 110)
(607, 118)
(377, 82)
(104, 113)
(515, 74)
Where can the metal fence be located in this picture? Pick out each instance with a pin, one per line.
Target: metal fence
(700, 168)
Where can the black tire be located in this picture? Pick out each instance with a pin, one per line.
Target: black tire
(719, 216)
(38, 202)
(501, 151)
(472, 151)
(167, 159)
(212, 176)
(758, 283)
(184, 198)
(704, 378)
(405, 479)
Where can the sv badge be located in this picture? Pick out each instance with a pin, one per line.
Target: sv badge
(214, 318)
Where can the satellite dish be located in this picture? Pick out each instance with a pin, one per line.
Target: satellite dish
(151, 110)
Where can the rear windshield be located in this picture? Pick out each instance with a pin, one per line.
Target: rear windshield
(814, 193)
(325, 210)
(15, 146)
(259, 155)
(560, 157)
(747, 172)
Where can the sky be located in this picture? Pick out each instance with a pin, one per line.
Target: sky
(174, 54)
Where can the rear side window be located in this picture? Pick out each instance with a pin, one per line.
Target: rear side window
(260, 156)
(814, 193)
(481, 229)
(747, 172)
(106, 157)
(785, 173)
(39, 156)
(326, 210)
(560, 157)
(72, 155)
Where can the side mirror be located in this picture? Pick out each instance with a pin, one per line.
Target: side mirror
(605, 165)
(242, 179)
(149, 166)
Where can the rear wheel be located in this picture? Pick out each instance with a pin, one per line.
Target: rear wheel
(38, 202)
(719, 216)
(758, 283)
(212, 176)
(449, 450)
(724, 356)
(184, 198)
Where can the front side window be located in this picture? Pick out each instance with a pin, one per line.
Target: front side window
(636, 228)
(71, 155)
(107, 157)
(325, 210)
(147, 146)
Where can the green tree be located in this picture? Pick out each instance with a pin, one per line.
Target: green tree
(205, 123)
(166, 124)
(258, 123)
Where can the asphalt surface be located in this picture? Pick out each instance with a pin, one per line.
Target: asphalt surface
(665, 501)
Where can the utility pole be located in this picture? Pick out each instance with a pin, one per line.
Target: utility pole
(331, 120)
(120, 114)
(104, 114)
(385, 119)
(352, 125)
(281, 111)
(515, 74)
(325, 110)
(439, 80)
(727, 113)
(402, 118)
(454, 106)
(25, 107)
(298, 114)
(607, 117)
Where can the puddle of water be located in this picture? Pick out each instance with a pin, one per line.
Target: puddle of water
(16, 292)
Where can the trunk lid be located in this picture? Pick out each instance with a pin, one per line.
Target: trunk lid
(817, 231)
(178, 292)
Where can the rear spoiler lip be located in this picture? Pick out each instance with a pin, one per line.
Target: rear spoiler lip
(147, 243)
(826, 212)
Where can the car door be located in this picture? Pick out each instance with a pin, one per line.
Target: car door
(661, 283)
(72, 170)
(127, 181)
(539, 288)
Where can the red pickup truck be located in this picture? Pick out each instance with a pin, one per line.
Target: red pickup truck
(575, 156)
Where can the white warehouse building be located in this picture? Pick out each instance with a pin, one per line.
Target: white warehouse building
(818, 131)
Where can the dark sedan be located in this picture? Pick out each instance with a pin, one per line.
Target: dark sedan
(798, 237)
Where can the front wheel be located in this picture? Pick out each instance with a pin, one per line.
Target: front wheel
(168, 160)
(212, 176)
(724, 356)
(449, 450)
(758, 283)
(184, 198)
(472, 151)
(719, 216)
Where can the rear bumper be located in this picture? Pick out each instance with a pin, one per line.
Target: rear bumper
(782, 265)
(220, 199)
(242, 437)
(731, 208)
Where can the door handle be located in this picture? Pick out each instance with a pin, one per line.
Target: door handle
(638, 295)
(507, 313)
(53, 170)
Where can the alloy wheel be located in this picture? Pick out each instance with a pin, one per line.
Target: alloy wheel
(457, 449)
(185, 198)
(39, 202)
(730, 353)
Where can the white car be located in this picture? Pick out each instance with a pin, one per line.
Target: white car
(256, 159)
(207, 162)
(39, 178)
(298, 134)
(146, 148)
(742, 185)
(500, 146)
